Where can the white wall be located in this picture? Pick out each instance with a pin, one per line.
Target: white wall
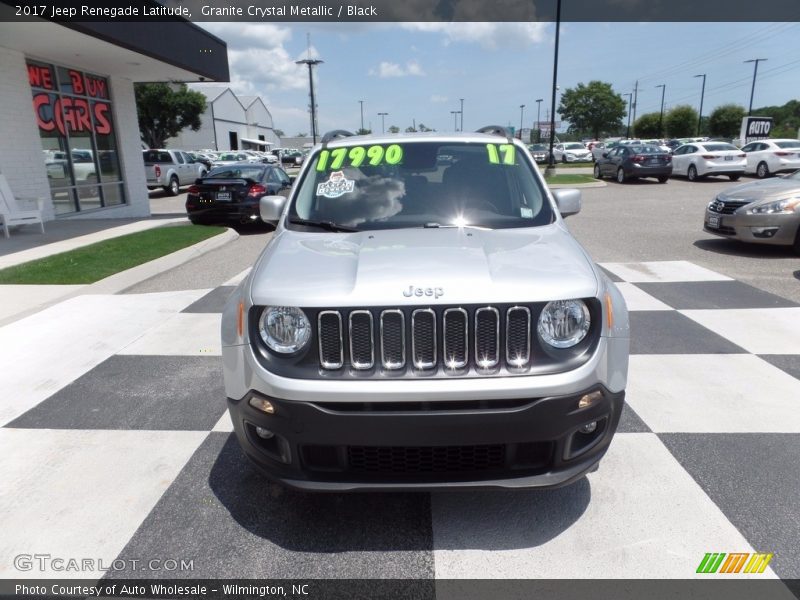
(21, 157)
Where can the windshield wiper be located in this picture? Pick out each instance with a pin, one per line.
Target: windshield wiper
(452, 226)
(327, 225)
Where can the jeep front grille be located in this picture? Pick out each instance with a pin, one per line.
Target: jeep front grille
(424, 339)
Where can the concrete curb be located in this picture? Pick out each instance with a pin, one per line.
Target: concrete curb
(594, 184)
(125, 279)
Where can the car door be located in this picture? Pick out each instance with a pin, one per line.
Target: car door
(607, 162)
(620, 157)
(679, 160)
(749, 150)
(285, 182)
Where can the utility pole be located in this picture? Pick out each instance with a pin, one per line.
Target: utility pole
(383, 123)
(551, 164)
(462, 114)
(702, 94)
(521, 112)
(311, 62)
(538, 120)
(753, 88)
(635, 99)
(630, 100)
(663, 87)
(361, 102)
(455, 119)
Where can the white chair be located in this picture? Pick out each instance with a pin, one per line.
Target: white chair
(10, 212)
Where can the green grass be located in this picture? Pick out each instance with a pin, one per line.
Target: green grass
(97, 261)
(581, 165)
(570, 179)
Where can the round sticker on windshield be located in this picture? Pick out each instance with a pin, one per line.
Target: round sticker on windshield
(336, 186)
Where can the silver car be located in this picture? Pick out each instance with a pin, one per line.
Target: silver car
(418, 323)
(762, 212)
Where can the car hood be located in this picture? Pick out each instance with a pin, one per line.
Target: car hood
(761, 190)
(448, 265)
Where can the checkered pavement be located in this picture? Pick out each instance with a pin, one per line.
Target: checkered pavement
(116, 444)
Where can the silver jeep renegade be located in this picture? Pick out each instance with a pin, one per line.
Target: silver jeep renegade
(422, 318)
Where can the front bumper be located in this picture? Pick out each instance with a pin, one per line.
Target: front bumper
(348, 446)
(776, 229)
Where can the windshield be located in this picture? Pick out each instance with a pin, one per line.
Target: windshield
(646, 150)
(236, 173)
(537, 148)
(230, 157)
(719, 147)
(418, 184)
(575, 146)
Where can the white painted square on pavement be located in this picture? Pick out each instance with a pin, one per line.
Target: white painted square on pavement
(637, 299)
(84, 492)
(714, 393)
(640, 509)
(663, 272)
(224, 424)
(757, 330)
(185, 334)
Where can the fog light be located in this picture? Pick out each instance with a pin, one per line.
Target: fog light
(589, 399)
(262, 405)
(264, 434)
(589, 427)
(764, 232)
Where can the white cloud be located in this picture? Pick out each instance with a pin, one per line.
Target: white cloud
(389, 69)
(488, 35)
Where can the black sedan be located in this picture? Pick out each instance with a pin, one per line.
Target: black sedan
(539, 152)
(629, 162)
(231, 194)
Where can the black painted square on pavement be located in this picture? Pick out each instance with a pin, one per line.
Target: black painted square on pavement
(233, 522)
(753, 478)
(790, 363)
(699, 295)
(630, 422)
(212, 302)
(669, 332)
(136, 392)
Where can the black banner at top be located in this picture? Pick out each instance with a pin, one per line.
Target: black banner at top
(402, 10)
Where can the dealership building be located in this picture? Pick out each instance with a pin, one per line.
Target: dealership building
(68, 126)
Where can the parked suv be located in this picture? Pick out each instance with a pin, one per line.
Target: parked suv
(170, 169)
(418, 323)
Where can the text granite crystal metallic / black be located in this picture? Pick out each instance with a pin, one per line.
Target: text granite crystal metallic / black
(423, 319)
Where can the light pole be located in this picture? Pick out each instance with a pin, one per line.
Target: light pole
(361, 102)
(663, 87)
(550, 162)
(538, 118)
(455, 114)
(462, 114)
(383, 123)
(311, 62)
(630, 101)
(521, 113)
(753, 88)
(702, 94)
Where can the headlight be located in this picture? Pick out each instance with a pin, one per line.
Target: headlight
(564, 323)
(779, 206)
(284, 329)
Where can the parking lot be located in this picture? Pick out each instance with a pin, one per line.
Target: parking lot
(133, 457)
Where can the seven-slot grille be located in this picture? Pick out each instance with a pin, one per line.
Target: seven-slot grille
(394, 339)
(727, 207)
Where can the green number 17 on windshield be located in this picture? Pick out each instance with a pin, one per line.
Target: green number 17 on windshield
(507, 151)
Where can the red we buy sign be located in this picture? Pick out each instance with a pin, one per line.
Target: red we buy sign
(67, 113)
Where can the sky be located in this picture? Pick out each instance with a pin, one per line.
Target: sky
(418, 72)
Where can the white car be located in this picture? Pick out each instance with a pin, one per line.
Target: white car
(766, 157)
(700, 159)
(571, 152)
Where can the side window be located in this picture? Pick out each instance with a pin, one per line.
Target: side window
(283, 176)
(187, 158)
(178, 158)
(273, 177)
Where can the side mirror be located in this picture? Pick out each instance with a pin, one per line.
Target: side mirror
(271, 208)
(605, 154)
(292, 178)
(568, 201)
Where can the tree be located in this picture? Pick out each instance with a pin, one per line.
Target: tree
(785, 119)
(725, 121)
(423, 128)
(681, 121)
(279, 132)
(410, 129)
(394, 129)
(303, 134)
(593, 108)
(363, 131)
(648, 125)
(164, 110)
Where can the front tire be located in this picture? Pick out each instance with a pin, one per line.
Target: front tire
(691, 174)
(597, 173)
(621, 178)
(734, 177)
(796, 245)
(762, 170)
(564, 159)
